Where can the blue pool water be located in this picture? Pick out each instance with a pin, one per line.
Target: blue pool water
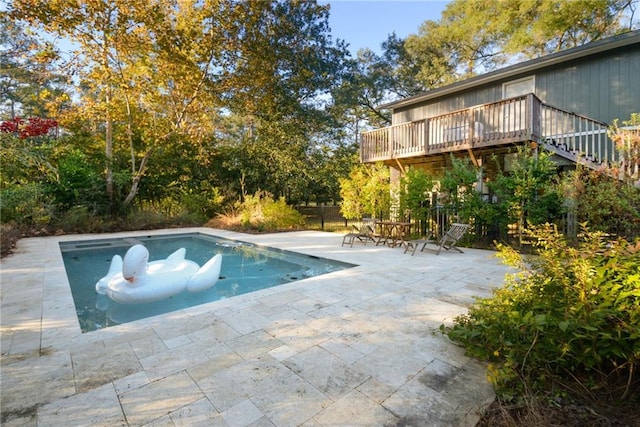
(245, 268)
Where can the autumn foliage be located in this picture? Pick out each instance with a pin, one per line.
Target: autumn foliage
(29, 127)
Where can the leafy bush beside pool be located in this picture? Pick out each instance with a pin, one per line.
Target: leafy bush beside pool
(569, 319)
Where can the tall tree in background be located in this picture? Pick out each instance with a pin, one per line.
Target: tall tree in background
(477, 36)
(155, 74)
(411, 73)
(98, 29)
(282, 65)
(372, 80)
(540, 28)
(28, 85)
(364, 88)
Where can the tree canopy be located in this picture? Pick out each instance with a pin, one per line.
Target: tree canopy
(476, 36)
(237, 82)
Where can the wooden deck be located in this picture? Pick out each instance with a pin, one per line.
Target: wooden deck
(510, 121)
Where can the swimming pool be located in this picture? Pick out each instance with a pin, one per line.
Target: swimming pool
(245, 268)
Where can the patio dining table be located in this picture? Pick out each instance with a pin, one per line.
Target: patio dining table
(392, 233)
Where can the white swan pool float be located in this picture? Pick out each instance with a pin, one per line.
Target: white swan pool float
(134, 280)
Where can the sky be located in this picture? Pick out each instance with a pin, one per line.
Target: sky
(367, 23)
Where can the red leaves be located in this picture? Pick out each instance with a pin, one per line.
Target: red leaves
(25, 128)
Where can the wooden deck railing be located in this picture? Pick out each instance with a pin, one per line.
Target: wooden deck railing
(503, 122)
(519, 119)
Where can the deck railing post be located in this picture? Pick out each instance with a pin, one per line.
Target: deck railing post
(537, 117)
(470, 125)
(528, 114)
(427, 123)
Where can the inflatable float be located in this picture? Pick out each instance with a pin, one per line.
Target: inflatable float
(134, 280)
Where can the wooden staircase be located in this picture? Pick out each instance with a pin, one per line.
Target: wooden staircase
(561, 149)
(587, 142)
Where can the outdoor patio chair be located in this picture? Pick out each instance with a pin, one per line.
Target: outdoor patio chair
(363, 234)
(448, 241)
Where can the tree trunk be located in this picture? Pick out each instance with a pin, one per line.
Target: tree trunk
(108, 137)
(109, 153)
(136, 179)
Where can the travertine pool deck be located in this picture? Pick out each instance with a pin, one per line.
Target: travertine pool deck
(358, 347)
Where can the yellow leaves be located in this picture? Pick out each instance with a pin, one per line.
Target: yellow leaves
(44, 94)
(509, 255)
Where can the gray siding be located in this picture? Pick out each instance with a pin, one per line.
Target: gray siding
(602, 87)
(446, 105)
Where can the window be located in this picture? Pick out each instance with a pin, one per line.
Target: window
(514, 112)
(518, 87)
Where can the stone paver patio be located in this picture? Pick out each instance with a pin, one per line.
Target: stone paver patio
(358, 347)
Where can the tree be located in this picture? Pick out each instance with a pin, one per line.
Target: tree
(28, 85)
(431, 58)
(528, 193)
(154, 74)
(538, 28)
(100, 30)
(372, 80)
(475, 36)
(458, 182)
(332, 163)
(416, 187)
(366, 192)
(283, 63)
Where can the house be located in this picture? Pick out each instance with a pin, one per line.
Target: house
(561, 102)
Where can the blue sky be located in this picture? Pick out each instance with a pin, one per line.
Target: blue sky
(366, 23)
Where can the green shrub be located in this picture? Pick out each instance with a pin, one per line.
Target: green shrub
(415, 192)
(165, 212)
(80, 219)
(457, 186)
(26, 206)
(203, 203)
(261, 212)
(9, 235)
(367, 192)
(569, 316)
(605, 203)
(528, 193)
(279, 216)
(79, 183)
